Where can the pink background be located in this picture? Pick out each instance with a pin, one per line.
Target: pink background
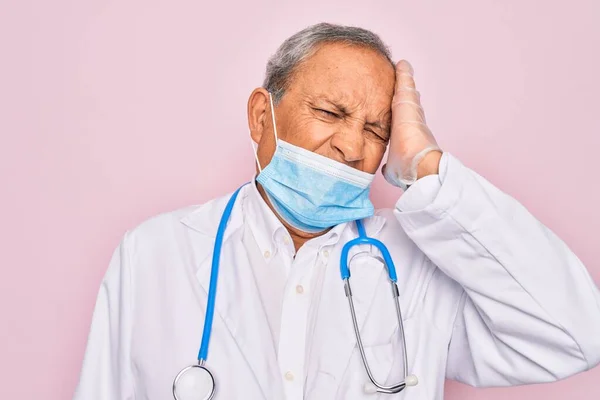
(112, 111)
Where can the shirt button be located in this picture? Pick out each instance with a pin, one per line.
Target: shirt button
(325, 253)
(286, 241)
(299, 289)
(267, 254)
(289, 376)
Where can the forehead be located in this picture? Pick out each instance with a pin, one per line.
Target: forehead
(355, 75)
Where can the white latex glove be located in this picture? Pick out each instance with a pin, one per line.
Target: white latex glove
(411, 140)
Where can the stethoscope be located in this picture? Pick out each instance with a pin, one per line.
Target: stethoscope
(196, 382)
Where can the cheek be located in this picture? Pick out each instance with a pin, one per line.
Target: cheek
(266, 148)
(373, 156)
(308, 133)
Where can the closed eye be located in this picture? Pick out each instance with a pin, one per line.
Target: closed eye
(377, 135)
(329, 114)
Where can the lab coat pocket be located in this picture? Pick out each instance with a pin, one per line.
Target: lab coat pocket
(380, 359)
(352, 382)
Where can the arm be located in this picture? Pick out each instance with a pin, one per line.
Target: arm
(530, 311)
(106, 372)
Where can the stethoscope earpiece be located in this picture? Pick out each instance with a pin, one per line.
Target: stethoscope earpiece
(369, 388)
(411, 380)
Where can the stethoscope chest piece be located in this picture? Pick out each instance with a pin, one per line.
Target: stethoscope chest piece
(194, 383)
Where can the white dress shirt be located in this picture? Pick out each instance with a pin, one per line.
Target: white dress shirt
(289, 283)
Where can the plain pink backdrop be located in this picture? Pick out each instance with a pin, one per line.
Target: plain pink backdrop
(112, 111)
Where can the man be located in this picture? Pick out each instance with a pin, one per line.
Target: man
(489, 296)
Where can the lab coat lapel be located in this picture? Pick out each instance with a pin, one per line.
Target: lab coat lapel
(238, 301)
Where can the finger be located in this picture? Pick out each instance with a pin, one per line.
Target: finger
(407, 96)
(404, 65)
(404, 76)
(407, 99)
(407, 111)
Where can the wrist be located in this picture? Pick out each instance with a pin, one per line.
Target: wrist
(430, 164)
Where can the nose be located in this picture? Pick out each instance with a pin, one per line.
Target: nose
(349, 144)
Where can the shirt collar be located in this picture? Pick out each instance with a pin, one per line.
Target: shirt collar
(266, 228)
(268, 231)
(271, 235)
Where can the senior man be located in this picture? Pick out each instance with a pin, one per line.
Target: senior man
(489, 296)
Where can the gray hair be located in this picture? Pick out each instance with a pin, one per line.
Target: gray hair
(305, 43)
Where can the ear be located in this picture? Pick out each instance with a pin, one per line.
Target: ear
(258, 111)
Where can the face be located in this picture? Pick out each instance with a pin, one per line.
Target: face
(338, 105)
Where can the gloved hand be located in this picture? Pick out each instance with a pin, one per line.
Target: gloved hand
(411, 140)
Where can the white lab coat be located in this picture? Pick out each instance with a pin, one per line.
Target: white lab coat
(490, 297)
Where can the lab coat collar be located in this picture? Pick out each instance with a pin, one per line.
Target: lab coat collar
(205, 219)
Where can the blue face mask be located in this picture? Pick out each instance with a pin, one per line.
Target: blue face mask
(312, 192)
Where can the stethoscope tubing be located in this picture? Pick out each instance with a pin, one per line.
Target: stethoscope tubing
(214, 278)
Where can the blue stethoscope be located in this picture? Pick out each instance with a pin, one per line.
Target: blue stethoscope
(196, 382)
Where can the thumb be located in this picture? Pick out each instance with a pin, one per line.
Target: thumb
(389, 179)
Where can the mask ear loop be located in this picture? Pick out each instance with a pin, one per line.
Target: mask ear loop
(254, 145)
(255, 153)
(273, 117)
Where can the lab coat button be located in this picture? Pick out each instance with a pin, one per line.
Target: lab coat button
(267, 254)
(299, 289)
(325, 253)
(289, 376)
